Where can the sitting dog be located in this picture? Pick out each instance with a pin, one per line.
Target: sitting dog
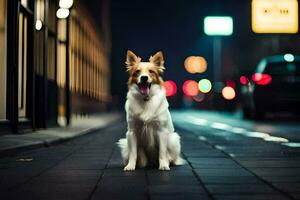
(150, 137)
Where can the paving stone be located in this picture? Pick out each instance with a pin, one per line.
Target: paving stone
(69, 176)
(240, 189)
(172, 180)
(289, 187)
(81, 165)
(215, 161)
(205, 154)
(120, 172)
(49, 191)
(295, 195)
(216, 166)
(123, 180)
(276, 171)
(271, 164)
(177, 172)
(282, 179)
(250, 197)
(261, 155)
(222, 172)
(110, 196)
(12, 180)
(179, 197)
(230, 180)
(175, 189)
(122, 187)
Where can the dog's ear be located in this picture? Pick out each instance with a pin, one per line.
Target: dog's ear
(131, 60)
(158, 60)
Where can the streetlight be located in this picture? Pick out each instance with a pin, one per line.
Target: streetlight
(218, 26)
(64, 6)
(62, 13)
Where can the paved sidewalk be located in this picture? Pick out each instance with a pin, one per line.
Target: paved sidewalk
(10, 143)
(90, 167)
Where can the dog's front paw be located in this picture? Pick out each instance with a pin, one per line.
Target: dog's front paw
(129, 168)
(164, 167)
(163, 164)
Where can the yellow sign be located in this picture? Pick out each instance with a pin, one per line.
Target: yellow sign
(275, 16)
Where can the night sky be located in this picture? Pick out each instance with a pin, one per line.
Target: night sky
(176, 28)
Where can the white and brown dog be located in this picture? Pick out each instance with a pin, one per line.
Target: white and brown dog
(150, 138)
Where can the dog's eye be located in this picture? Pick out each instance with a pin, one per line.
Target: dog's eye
(151, 71)
(137, 71)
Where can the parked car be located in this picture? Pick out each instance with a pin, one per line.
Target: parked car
(273, 87)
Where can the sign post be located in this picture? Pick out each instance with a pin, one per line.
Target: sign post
(218, 26)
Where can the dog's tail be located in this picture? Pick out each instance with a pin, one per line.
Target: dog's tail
(180, 161)
(122, 143)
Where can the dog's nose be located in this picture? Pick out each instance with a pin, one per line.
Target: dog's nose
(144, 78)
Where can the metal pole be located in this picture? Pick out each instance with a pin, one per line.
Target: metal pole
(13, 8)
(45, 66)
(217, 58)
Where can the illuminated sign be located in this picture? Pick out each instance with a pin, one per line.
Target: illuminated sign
(275, 16)
(218, 25)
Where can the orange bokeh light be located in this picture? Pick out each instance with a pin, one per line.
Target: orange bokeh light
(190, 88)
(228, 93)
(195, 64)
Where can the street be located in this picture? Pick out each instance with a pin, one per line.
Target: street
(228, 158)
(228, 72)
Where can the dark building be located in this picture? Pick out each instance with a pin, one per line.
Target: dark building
(54, 62)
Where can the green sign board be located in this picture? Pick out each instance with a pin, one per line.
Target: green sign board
(218, 25)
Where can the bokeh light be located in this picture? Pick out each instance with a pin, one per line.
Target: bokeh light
(228, 93)
(243, 80)
(190, 88)
(230, 83)
(62, 13)
(38, 24)
(261, 79)
(170, 87)
(204, 85)
(289, 57)
(195, 64)
(65, 3)
(199, 97)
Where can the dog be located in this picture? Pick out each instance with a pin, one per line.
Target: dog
(150, 138)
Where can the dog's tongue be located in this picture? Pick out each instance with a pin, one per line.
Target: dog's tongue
(144, 89)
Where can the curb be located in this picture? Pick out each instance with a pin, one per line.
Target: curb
(51, 142)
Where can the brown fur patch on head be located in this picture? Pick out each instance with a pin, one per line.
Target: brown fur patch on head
(131, 60)
(158, 60)
(152, 69)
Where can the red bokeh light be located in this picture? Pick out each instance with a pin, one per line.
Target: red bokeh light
(243, 80)
(261, 79)
(170, 87)
(190, 88)
(231, 83)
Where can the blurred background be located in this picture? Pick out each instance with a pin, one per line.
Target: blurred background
(66, 58)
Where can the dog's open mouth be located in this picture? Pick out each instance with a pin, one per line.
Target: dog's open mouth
(144, 88)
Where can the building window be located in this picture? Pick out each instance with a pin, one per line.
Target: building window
(89, 71)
